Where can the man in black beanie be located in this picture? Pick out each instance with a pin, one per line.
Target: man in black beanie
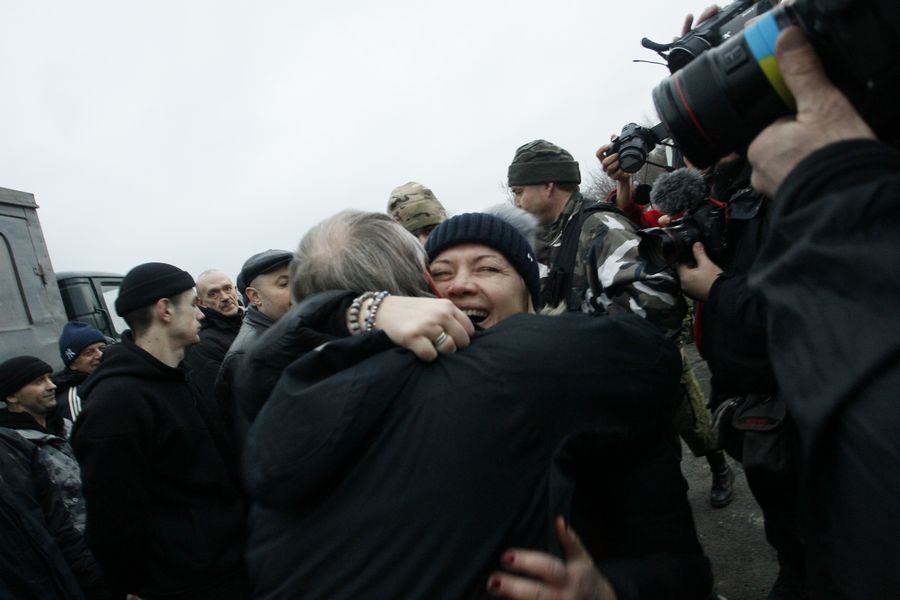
(165, 518)
(587, 251)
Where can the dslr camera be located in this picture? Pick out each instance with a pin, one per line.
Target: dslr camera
(663, 247)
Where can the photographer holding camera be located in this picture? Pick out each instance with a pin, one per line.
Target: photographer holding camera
(829, 273)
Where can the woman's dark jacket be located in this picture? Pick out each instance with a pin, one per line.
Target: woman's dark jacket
(163, 514)
(374, 474)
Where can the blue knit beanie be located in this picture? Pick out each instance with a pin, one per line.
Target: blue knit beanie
(492, 231)
(76, 337)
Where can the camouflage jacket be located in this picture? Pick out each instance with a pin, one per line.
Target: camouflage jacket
(609, 274)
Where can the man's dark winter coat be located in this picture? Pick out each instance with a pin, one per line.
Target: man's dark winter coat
(376, 475)
(202, 362)
(42, 557)
(830, 274)
(163, 514)
(255, 324)
(312, 322)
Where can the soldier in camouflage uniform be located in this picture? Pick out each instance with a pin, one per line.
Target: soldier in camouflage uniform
(416, 208)
(588, 252)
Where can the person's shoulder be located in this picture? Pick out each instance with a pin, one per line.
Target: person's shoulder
(604, 219)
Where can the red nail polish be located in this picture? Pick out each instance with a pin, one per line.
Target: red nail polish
(493, 583)
(509, 558)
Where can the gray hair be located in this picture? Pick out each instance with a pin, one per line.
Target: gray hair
(358, 251)
(524, 222)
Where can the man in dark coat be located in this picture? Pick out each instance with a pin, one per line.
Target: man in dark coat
(829, 273)
(407, 479)
(267, 288)
(81, 347)
(42, 557)
(217, 299)
(376, 474)
(165, 519)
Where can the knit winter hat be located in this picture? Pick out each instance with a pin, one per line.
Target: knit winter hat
(147, 283)
(482, 228)
(415, 207)
(17, 372)
(542, 162)
(260, 263)
(75, 337)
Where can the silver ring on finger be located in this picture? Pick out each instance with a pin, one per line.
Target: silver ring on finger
(440, 339)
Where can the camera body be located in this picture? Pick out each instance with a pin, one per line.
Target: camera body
(663, 247)
(634, 143)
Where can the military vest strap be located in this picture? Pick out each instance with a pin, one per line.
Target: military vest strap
(558, 284)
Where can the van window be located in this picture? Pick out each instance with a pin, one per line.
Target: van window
(110, 292)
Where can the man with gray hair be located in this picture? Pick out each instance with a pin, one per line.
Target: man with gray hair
(416, 208)
(351, 252)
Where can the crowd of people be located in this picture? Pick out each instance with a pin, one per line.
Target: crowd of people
(417, 405)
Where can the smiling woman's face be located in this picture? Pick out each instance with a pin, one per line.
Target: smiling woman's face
(480, 282)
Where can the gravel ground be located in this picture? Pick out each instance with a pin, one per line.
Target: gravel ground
(744, 565)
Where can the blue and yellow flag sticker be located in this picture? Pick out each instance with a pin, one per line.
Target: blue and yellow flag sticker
(760, 38)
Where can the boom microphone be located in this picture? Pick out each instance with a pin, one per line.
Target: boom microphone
(680, 190)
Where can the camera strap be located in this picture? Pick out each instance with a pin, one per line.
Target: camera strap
(558, 285)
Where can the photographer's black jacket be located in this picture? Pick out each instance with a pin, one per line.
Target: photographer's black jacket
(830, 274)
(733, 319)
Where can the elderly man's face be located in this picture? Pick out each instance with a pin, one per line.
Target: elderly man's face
(217, 292)
(480, 282)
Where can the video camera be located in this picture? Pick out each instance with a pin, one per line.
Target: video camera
(717, 103)
(726, 86)
(722, 26)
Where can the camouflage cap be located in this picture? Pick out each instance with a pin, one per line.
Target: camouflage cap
(414, 206)
(542, 162)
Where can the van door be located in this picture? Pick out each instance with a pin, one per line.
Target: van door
(31, 311)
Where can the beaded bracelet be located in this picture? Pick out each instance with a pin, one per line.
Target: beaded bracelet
(355, 306)
(373, 309)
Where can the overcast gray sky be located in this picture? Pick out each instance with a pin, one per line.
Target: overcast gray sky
(201, 132)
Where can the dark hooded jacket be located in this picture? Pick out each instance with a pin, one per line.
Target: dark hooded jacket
(376, 475)
(163, 514)
(42, 557)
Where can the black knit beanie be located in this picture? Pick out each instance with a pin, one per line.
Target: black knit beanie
(482, 228)
(542, 162)
(17, 372)
(75, 337)
(147, 283)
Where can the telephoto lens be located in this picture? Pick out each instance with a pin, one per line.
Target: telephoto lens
(722, 99)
